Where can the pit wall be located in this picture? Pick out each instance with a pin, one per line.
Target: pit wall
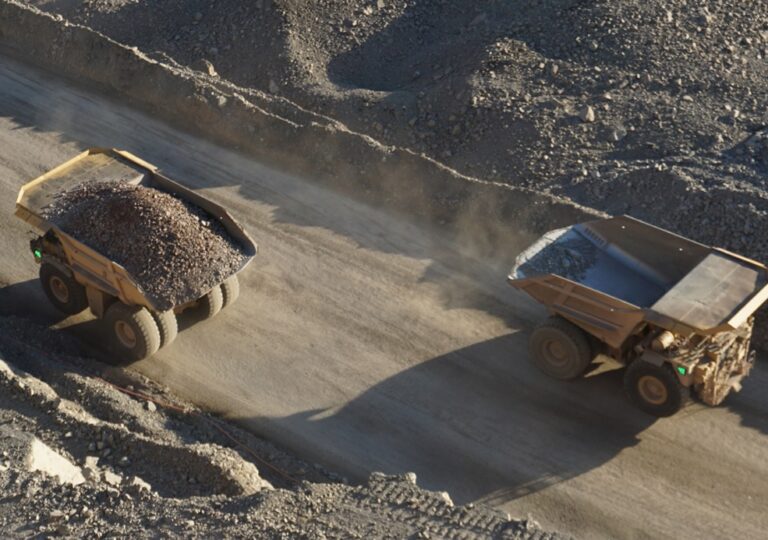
(281, 134)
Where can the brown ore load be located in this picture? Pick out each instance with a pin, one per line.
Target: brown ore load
(175, 251)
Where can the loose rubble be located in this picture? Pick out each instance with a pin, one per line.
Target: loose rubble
(570, 258)
(174, 250)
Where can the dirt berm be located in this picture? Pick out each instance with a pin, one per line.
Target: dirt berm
(276, 130)
(91, 451)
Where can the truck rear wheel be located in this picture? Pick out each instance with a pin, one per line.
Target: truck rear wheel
(560, 349)
(654, 389)
(231, 289)
(132, 330)
(211, 303)
(62, 290)
(167, 325)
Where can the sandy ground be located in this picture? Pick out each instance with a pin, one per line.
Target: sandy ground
(365, 343)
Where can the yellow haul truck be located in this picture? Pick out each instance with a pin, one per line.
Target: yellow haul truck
(75, 277)
(676, 313)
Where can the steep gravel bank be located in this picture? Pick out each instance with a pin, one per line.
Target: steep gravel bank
(513, 91)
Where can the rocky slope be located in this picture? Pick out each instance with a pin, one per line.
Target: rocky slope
(653, 108)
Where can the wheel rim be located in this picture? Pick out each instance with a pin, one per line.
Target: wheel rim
(59, 289)
(652, 390)
(125, 334)
(555, 353)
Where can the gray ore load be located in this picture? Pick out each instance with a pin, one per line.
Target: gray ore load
(133, 246)
(173, 249)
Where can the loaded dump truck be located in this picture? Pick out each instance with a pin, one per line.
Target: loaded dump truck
(677, 314)
(107, 211)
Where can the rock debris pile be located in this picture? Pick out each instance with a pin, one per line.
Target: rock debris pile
(174, 250)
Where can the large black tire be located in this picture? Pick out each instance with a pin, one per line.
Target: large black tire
(211, 303)
(62, 290)
(654, 389)
(231, 290)
(132, 331)
(167, 325)
(560, 349)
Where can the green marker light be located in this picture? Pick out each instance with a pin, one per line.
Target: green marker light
(682, 370)
(38, 254)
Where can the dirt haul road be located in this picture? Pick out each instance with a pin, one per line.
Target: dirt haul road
(366, 343)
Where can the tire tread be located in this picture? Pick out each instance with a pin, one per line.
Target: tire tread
(680, 394)
(575, 335)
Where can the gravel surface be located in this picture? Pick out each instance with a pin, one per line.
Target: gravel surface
(174, 250)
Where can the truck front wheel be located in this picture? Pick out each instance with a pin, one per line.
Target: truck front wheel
(654, 389)
(62, 290)
(560, 349)
(132, 331)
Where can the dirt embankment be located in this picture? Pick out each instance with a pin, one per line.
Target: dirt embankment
(276, 130)
(500, 88)
(81, 457)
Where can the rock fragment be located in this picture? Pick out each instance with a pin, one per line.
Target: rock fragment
(31, 454)
(112, 479)
(587, 114)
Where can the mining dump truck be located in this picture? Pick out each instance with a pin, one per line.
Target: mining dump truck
(75, 276)
(677, 314)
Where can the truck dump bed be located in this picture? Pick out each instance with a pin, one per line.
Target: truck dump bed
(107, 165)
(609, 275)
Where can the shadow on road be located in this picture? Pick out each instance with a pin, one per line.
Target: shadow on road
(480, 423)
(26, 300)
(751, 404)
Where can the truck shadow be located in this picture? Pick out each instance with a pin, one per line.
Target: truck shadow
(91, 334)
(26, 300)
(478, 423)
(751, 404)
